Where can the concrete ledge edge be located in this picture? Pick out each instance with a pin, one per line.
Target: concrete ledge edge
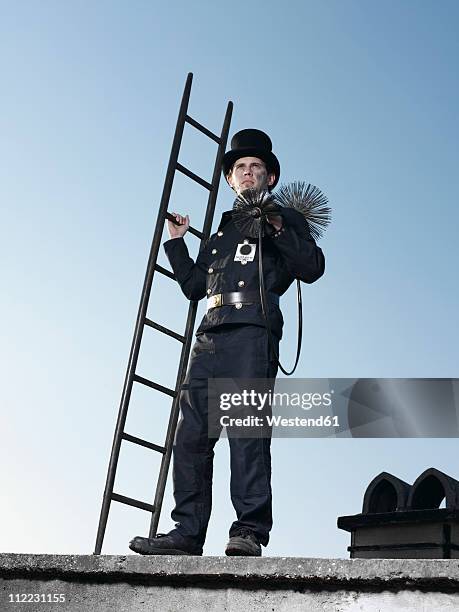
(242, 572)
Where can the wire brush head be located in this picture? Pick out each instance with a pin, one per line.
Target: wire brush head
(250, 210)
(309, 201)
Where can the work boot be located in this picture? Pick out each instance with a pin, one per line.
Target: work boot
(164, 544)
(244, 543)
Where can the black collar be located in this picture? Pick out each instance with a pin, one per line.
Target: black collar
(226, 218)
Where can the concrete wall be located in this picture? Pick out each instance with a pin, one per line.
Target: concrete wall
(135, 583)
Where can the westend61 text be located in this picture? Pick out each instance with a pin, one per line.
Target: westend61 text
(278, 421)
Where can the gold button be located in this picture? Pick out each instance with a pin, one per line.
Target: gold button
(214, 251)
(220, 233)
(209, 291)
(241, 283)
(238, 305)
(210, 270)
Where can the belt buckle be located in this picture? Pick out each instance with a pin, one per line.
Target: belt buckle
(215, 301)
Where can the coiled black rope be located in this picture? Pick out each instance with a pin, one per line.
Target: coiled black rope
(264, 308)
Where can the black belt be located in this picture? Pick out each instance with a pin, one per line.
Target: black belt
(237, 298)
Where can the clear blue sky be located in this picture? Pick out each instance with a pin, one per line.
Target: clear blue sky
(360, 98)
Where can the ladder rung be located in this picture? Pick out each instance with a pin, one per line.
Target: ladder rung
(140, 442)
(196, 232)
(159, 268)
(132, 502)
(202, 129)
(194, 176)
(154, 385)
(165, 330)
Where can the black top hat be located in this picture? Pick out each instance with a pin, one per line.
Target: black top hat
(252, 143)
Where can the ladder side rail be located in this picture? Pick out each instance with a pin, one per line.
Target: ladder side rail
(212, 199)
(185, 353)
(135, 347)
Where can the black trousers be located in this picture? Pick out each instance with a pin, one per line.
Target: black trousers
(239, 351)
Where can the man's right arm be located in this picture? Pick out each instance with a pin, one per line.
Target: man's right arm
(191, 276)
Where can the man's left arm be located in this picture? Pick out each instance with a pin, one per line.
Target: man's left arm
(300, 253)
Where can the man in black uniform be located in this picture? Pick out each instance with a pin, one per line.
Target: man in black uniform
(232, 342)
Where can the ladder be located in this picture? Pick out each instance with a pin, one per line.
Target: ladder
(142, 321)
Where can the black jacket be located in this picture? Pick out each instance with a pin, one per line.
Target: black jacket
(289, 254)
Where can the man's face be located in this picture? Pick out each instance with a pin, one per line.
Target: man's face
(249, 173)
